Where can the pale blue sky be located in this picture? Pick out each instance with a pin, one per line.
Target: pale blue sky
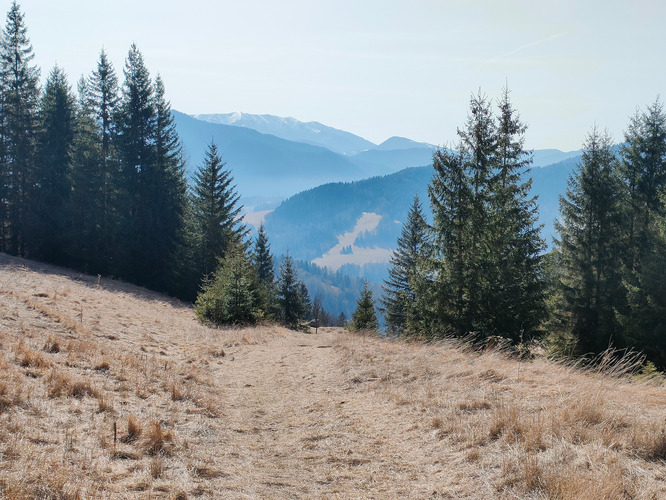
(378, 68)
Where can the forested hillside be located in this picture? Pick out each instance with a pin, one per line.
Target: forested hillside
(309, 223)
(96, 180)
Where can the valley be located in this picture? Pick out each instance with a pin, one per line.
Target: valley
(310, 204)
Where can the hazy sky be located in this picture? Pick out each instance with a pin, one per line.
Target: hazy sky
(377, 68)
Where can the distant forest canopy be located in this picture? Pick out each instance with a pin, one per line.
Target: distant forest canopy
(94, 180)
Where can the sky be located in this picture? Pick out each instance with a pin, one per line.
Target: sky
(378, 68)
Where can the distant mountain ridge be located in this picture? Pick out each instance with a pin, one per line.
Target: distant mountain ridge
(263, 165)
(395, 143)
(273, 157)
(268, 168)
(292, 129)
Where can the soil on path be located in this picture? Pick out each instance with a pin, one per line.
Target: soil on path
(300, 426)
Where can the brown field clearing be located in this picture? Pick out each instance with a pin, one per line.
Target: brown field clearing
(111, 391)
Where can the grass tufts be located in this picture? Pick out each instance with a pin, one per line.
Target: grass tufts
(134, 430)
(52, 345)
(157, 441)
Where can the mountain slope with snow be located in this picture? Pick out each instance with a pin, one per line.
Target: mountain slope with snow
(292, 129)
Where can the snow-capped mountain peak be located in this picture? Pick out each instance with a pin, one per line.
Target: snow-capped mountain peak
(292, 129)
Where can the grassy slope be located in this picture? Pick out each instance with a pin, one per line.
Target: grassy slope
(268, 413)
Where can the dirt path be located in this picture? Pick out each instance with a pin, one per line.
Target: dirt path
(300, 428)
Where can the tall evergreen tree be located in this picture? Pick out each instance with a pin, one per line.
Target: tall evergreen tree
(304, 296)
(486, 259)
(19, 101)
(216, 211)
(590, 246)
(406, 301)
(152, 186)
(263, 258)
(513, 303)
(460, 195)
(102, 96)
(644, 321)
(643, 170)
(166, 194)
(479, 142)
(265, 265)
(86, 208)
(135, 140)
(51, 197)
(450, 198)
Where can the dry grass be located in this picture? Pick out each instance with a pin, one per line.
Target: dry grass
(157, 441)
(134, 430)
(536, 429)
(110, 391)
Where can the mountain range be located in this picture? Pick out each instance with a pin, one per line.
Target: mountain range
(270, 167)
(313, 133)
(330, 203)
(273, 158)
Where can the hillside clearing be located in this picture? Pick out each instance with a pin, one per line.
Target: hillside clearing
(269, 413)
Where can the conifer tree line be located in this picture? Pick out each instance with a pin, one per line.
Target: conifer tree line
(479, 268)
(95, 180)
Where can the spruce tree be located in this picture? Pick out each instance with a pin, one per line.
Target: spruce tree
(231, 296)
(290, 296)
(644, 322)
(135, 134)
(166, 194)
(365, 317)
(102, 86)
(589, 246)
(406, 301)
(643, 169)
(486, 257)
(216, 211)
(86, 207)
(263, 258)
(19, 100)
(51, 197)
(306, 302)
(102, 98)
(265, 266)
(450, 198)
(151, 187)
(513, 303)
(478, 141)
(460, 195)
